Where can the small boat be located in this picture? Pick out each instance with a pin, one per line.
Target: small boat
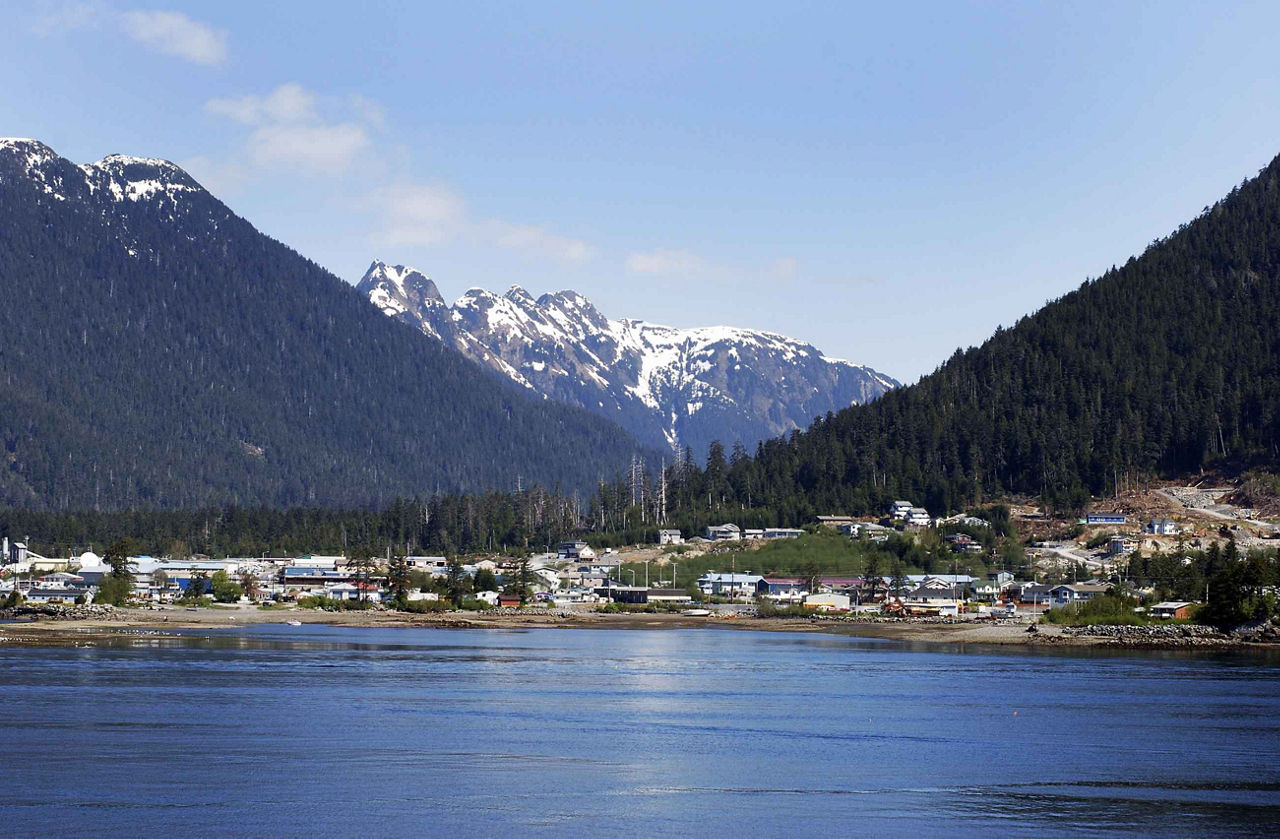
(696, 613)
(294, 623)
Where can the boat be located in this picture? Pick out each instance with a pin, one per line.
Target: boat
(294, 622)
(696, 613)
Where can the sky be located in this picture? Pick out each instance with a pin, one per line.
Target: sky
(889, 182)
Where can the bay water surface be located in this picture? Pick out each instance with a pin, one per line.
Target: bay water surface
(326, 731)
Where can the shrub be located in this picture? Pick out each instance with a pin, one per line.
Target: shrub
(1109, 609)
(422, 607)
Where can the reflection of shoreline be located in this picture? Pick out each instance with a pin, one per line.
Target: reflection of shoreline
(140, 625)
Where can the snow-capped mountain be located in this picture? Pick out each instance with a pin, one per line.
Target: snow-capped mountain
(670, 387)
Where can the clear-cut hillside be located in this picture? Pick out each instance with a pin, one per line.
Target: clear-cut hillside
(670, 387)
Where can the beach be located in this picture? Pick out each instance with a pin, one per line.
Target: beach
(122, 624)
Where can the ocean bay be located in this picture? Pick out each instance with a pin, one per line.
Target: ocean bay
(335, 731)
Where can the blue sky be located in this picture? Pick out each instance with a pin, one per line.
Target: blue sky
(888, 181)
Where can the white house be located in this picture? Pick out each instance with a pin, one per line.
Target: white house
(918, 517)
(719, 584)
(1075, 593)
(670, 537)
(575, 550)
(1162, 527)
(724, 533)
(898, 510)
(427, 564)
(783, 533)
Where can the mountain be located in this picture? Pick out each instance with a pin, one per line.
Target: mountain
(1163, 367)
(160, 352)
(669, 387)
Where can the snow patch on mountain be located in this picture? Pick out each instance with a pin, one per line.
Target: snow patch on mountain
(670, 386)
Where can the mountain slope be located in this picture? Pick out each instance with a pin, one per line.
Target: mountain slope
(1164, 366)
(670, 387)
(160, 352)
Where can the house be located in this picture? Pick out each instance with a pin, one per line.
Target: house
(827, 602)
(1120, 545)
(1179, 610)
(55, 594)
(670, 537)
(790, 589)
(508, 601)
(918, 517)
(898, 510)
(719, 584)
(1104, 518)
(1033, 593)
(929, 592)
(753, 535)
(957, 585)
(838, 522)
(1075, 593)
(1161, 527)
(783, 533)
(490, 597)
(575, 550)
(989, 591)
(851, 529)
(634, 595)
(436, 565)
(342, 591)
(724, 533)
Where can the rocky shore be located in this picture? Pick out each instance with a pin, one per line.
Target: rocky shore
(78, 625)
(56, 612)
(1158, 636)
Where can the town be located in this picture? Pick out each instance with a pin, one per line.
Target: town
(1016, 564)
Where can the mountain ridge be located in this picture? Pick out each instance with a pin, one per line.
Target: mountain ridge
(161, 352)
(670, 386)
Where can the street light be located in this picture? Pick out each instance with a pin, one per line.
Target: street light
(632, 572)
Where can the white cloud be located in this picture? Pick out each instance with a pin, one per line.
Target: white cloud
(173, 33)
(170, 33)
(665, 261)
(289, 102)
(70, 17)
(316, 149)
(418, 215)
(290, 131)
(538, 239)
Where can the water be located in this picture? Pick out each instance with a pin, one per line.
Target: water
(319, 731)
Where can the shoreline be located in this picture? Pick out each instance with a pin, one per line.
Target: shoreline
(135, 624)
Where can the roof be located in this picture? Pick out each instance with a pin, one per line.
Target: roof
(718, 577)
(1173, 604)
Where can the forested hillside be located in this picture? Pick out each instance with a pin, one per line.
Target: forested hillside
(158, 351)
(1161, 367)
